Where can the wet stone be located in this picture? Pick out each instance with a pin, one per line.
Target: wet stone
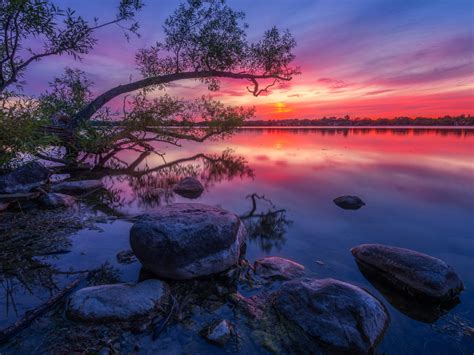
(349, 202)
(189, 187)
(409, 271)
(218, 333)
(334, 315)
(126, 257)
(277, 268)
(184, 241)
(117, 302)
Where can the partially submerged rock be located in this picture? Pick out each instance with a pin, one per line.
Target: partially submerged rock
(117, 302)
(55, 200)
(189, 187)
(24, 179)
(413, 307)
(417, 274)
(336, 316)
(274, 267)
(77, 186)
(218, 333)
(126, 257)
(184, 241)
(349, 202)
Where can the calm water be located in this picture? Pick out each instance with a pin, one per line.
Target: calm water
(418, 185)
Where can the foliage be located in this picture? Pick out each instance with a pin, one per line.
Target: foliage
(207, 35)
(20, 130)
(204, 40)
(67, 95)
(52, 31)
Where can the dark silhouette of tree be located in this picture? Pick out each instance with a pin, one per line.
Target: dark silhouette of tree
(206, 40)
(54, 30)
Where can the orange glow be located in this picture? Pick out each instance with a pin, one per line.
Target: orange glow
(281, 107)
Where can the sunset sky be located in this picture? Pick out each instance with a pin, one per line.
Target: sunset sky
(364, 58)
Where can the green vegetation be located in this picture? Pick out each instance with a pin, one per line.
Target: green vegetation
(205, 40)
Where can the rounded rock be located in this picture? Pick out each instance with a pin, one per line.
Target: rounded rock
(409, 271)
(189, 187)
(184, 241)
(117, 302)
(336, 316)
(274, 267)
(349, 202)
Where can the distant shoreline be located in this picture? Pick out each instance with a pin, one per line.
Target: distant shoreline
(358, 127)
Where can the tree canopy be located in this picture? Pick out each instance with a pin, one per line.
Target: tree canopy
(204, 40)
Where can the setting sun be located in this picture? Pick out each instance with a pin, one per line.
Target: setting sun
(281, 107)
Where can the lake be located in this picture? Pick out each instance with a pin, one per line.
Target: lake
(417, 183)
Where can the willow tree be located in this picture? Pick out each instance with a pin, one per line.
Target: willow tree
(204, 40)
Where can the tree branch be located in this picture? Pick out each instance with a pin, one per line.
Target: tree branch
(86, 113)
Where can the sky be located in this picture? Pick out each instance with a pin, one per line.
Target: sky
(363, 58)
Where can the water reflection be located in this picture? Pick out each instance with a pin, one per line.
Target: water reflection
(137, 185)
(419, 310)
(267, 229)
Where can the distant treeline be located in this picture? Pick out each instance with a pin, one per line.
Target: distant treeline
(347, 121)
(462, 120)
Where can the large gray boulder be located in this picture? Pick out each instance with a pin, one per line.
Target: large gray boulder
(336, 316)
(117, 302)
(409, 271)
(184, 241)
(274, 267)
(77, 186)
(189, 187)
(24, 179)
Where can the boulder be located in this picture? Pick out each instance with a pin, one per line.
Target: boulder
(417, 274)
(184, 241)
(24, 179)
(55, 200)
(349, 202)
(218, 333)
(189, 187)
(334, 315)
(413, 307)
(117, 302)
(77, 186)
(274, 267)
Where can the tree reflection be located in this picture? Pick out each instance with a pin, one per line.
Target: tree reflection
(129, 183)
(267, 229)
(29, 245)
